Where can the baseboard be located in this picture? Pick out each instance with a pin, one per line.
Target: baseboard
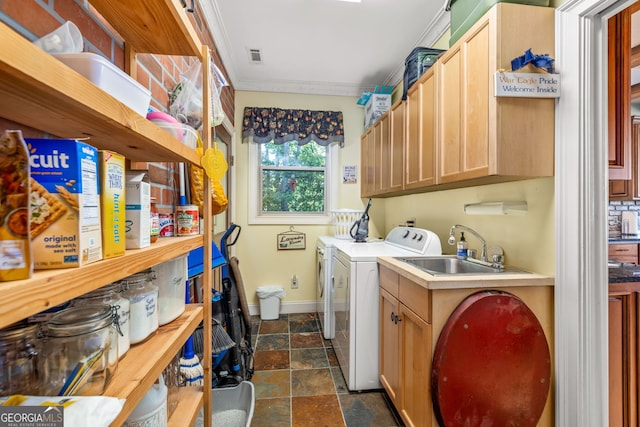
(288, 307)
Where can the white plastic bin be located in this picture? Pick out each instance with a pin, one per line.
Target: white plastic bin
(270, 301)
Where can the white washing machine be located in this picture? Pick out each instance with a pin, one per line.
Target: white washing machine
(325, 250)
(355, 299)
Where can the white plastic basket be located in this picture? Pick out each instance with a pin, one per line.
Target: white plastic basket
(343, 219)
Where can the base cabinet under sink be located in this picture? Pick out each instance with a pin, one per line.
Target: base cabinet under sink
(412, 317)
(405, 339)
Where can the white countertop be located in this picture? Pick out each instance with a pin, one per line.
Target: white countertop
(480, 281)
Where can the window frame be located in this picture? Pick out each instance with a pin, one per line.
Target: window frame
(298, 218)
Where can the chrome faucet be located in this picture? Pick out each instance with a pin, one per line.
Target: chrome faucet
(452, 239)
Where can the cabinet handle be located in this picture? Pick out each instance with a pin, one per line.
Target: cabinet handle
(393, 317)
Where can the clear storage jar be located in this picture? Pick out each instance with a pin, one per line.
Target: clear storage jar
(19, 354)
(170, 277)
(77, 354)
(112, 295)
(143, 306)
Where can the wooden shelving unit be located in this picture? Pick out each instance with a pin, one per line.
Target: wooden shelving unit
(41, 92)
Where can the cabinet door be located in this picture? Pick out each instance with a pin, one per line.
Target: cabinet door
(420, 133)
(396, 148)
(389, 345)
(366, 164)
(463, 105)
(381, 136)
(619, 105)
(415, 336)
(623, 359)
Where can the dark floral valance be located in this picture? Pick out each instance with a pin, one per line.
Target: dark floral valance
(283, 125)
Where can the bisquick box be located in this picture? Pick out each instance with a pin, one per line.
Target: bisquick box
(138, 209)
(65, 203)
(113, 203)
(376, 106)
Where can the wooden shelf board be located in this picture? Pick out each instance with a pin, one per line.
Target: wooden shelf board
(49, 288)
(41, 92)
(160, 26)
(143, 363)
(190, 401)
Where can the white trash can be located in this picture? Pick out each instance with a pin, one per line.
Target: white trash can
(270, 301)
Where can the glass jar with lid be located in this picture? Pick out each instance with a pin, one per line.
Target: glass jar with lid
(19, 354)
(112, 295)
(143, 306)
(77, 352)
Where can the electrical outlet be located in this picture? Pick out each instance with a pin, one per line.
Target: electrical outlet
(294, 282)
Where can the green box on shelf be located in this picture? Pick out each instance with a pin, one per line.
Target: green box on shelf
(465, 13)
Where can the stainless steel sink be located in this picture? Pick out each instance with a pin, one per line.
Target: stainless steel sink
(451, 265)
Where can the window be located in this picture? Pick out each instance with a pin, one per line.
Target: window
(291, 183)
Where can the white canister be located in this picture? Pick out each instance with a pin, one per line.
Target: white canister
(152, 409)
(143, 306)
(170, 277)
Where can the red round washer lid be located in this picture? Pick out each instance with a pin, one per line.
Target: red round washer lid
(491, 365)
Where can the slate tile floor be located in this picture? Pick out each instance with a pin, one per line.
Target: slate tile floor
(298, 381)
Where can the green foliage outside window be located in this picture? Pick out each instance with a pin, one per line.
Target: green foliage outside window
(293, 177)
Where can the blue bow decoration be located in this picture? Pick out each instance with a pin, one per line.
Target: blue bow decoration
(540, 61)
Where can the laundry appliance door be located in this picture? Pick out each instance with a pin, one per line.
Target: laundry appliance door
(340, 307)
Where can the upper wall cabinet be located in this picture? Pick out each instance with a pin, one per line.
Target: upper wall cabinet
(619, 89)
(420, 138)
(481, 135)
(457, 133)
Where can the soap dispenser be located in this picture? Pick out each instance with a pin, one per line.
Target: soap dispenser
(462, 247)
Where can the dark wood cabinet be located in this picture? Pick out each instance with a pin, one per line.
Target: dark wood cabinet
(623, 354)
(619, 89)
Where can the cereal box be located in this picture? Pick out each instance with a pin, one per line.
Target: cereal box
(65, 203)
(112, 203)
(15, 249)
(138, 209)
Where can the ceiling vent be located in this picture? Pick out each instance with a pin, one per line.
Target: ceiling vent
(255, 56)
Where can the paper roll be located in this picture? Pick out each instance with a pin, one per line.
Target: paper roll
(496, 208)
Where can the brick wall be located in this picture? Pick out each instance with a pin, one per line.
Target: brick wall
(159, 73)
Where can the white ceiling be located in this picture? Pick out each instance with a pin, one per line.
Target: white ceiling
(326, 47)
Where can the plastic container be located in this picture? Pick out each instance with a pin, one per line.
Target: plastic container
(143, 306)
(343, 219)
(19, 354)
(270, 301)
(462, 247)
(170, 277)
(112, 295)
(155, 221)
(80, 353)
(64, 39)
(152, 409)
(231, 406)
(182, 132)
(465, 13)
(109, 78)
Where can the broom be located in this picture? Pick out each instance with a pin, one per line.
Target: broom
(191, 371)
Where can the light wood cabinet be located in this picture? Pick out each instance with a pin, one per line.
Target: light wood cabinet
(397, 115)
(39, 91)
(420, 138)
(481, 135)
(367, 164)
(381, 151)
(623, 354)
(412, 317)
(456, 132)
(405, 347)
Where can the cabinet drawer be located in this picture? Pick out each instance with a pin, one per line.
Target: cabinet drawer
(415, 297)
(389, 280)
(624, 253)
